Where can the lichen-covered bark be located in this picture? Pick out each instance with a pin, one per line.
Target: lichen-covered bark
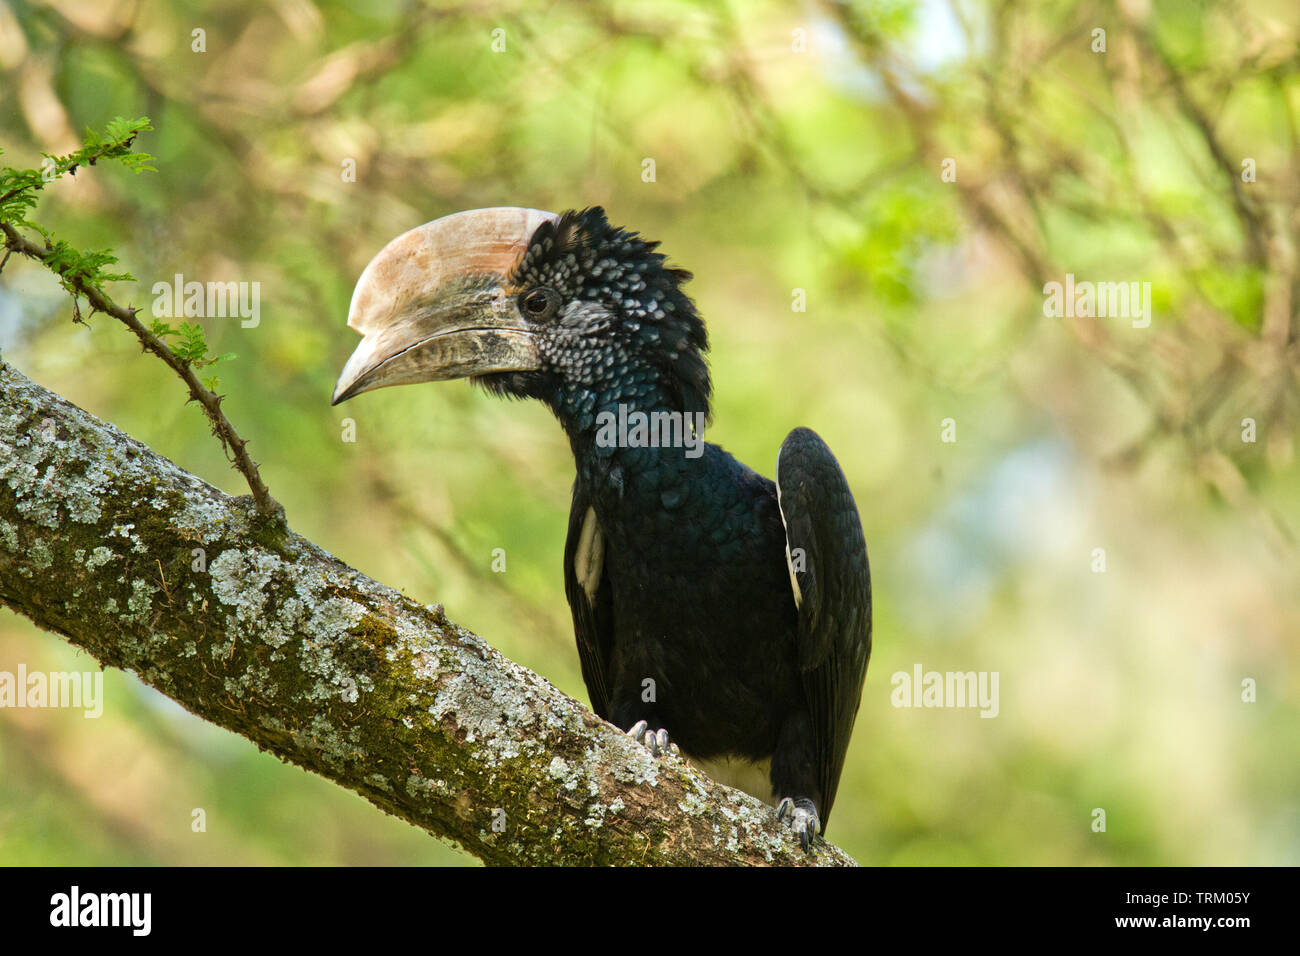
(258, 630)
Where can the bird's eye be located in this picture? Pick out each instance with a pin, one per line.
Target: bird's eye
(539, 303)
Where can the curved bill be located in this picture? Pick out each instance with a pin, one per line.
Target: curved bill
(432, 306)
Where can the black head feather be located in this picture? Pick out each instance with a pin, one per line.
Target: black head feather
(623, 328)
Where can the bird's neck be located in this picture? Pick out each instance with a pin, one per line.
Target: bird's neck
(631, 439)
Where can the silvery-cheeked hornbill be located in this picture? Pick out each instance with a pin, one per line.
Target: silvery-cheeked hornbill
(712, 606)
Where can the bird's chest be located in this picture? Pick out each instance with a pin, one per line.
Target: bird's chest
(703, 614)
(703, 566)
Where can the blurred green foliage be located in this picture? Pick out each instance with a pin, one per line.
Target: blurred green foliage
(795, 147)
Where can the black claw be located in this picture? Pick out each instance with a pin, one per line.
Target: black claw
(809, 827)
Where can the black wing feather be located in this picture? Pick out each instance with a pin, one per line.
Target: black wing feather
(828, 557)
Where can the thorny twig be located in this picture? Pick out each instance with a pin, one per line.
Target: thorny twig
(234, 446)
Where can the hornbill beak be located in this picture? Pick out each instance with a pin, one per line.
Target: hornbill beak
(433, 305)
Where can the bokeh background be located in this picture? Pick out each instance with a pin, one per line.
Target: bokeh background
(796, 146)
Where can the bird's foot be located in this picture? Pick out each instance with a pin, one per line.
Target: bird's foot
(656, 741)
(803, 819)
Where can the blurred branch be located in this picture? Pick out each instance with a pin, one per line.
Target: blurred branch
(30, 750)
(1252, 224)
(382, 490)
(1017, 198)
(260, 631)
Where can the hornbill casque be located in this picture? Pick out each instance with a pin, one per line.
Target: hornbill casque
(715, 611)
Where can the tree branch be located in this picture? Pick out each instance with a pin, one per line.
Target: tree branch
(258, 630)
(235, 447)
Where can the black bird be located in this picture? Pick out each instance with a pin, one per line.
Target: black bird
(715, 610)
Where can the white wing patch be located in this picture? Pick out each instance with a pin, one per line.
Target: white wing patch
(789, 561)
(589, 559)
